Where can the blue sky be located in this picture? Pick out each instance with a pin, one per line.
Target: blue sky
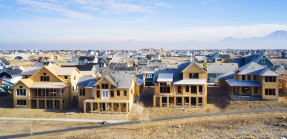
(92, 23)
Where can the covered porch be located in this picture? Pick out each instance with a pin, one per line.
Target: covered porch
(106, 106)
(176, 100)
(244, 88)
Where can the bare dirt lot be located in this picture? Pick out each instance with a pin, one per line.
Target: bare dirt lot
(218, 101)
(259, 125)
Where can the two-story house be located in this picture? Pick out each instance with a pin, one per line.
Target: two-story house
(46, 87)
(113, 92)
(255, 81)
(185, 85)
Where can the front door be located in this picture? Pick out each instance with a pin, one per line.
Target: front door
(105, 94)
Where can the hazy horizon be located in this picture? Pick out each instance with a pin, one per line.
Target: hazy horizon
(136, 24)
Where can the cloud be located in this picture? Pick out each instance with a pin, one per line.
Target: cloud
(51, 6)
(163, 5)
(88, 9)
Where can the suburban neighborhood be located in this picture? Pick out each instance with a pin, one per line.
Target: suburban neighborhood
(143, 69)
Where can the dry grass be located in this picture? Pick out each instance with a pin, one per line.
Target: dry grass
(259, 125)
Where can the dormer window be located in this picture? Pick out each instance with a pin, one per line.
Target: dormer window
(193, 75)
(66, 77)
(263, 60)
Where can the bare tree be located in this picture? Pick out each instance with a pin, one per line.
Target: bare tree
(143, 114)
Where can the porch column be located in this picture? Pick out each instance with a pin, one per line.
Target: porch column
(167, 100)
(99, 108)
(112, 107)
(37, 101)
(196, 101)
(160, 101)
(45, 99)
(252, 91)
(127, 110)
(154, 100)
(83, 107)
(189, 103)
(120, 108)
(106, 107)
(92, 105)
(174, 102)
(182, 101)
(61, 104)
(53, 101)
(231, 92)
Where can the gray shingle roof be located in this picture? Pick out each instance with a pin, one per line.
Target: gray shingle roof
(30, 71)
(233, 82)
(84, 81)
(251, 68)
(267, 72)
(121, 79)
(165, 77)
(221, 67)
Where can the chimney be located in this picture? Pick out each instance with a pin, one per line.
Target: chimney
(205, 64)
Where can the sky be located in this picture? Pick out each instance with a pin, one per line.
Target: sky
(134, 24)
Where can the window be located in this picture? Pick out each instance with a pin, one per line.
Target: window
(186, 88)
(63, 91)
(45, 78)
(21, 102)
(98, 87)
(82, 92)
(66, 77)
(149, 75)
(270, 92)
(74, 77)
(112, 93)
(245, 90)
(44, 73)
(200, 89)
(219, 59)
(193, 76)
(263, 60)
(98, 94)
(21, 92)
(179, 89)
(193, 89)
(112, 87)
(164, 88)
(270, 79)
(125, 93)
(243, 77)
(105, 86)
(254, 77)
(255, 91)
(118, 93)
(249, 77)
(26, 76)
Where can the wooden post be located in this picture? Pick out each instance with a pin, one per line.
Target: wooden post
(61, 104)
(92, 105)
(106, 107)
(189, 104)
(182, 101)
(83, 107)
(99, 108)
(112, 107)
(154, 100)
(127, 105)
(45, 99)
(174, 102)
(160, 101)
(196, 101)
(37, 101)
(120, 108)
(53, 101)
(167, 100)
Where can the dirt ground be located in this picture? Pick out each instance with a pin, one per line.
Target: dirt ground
(259, 125)
(218, 101)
